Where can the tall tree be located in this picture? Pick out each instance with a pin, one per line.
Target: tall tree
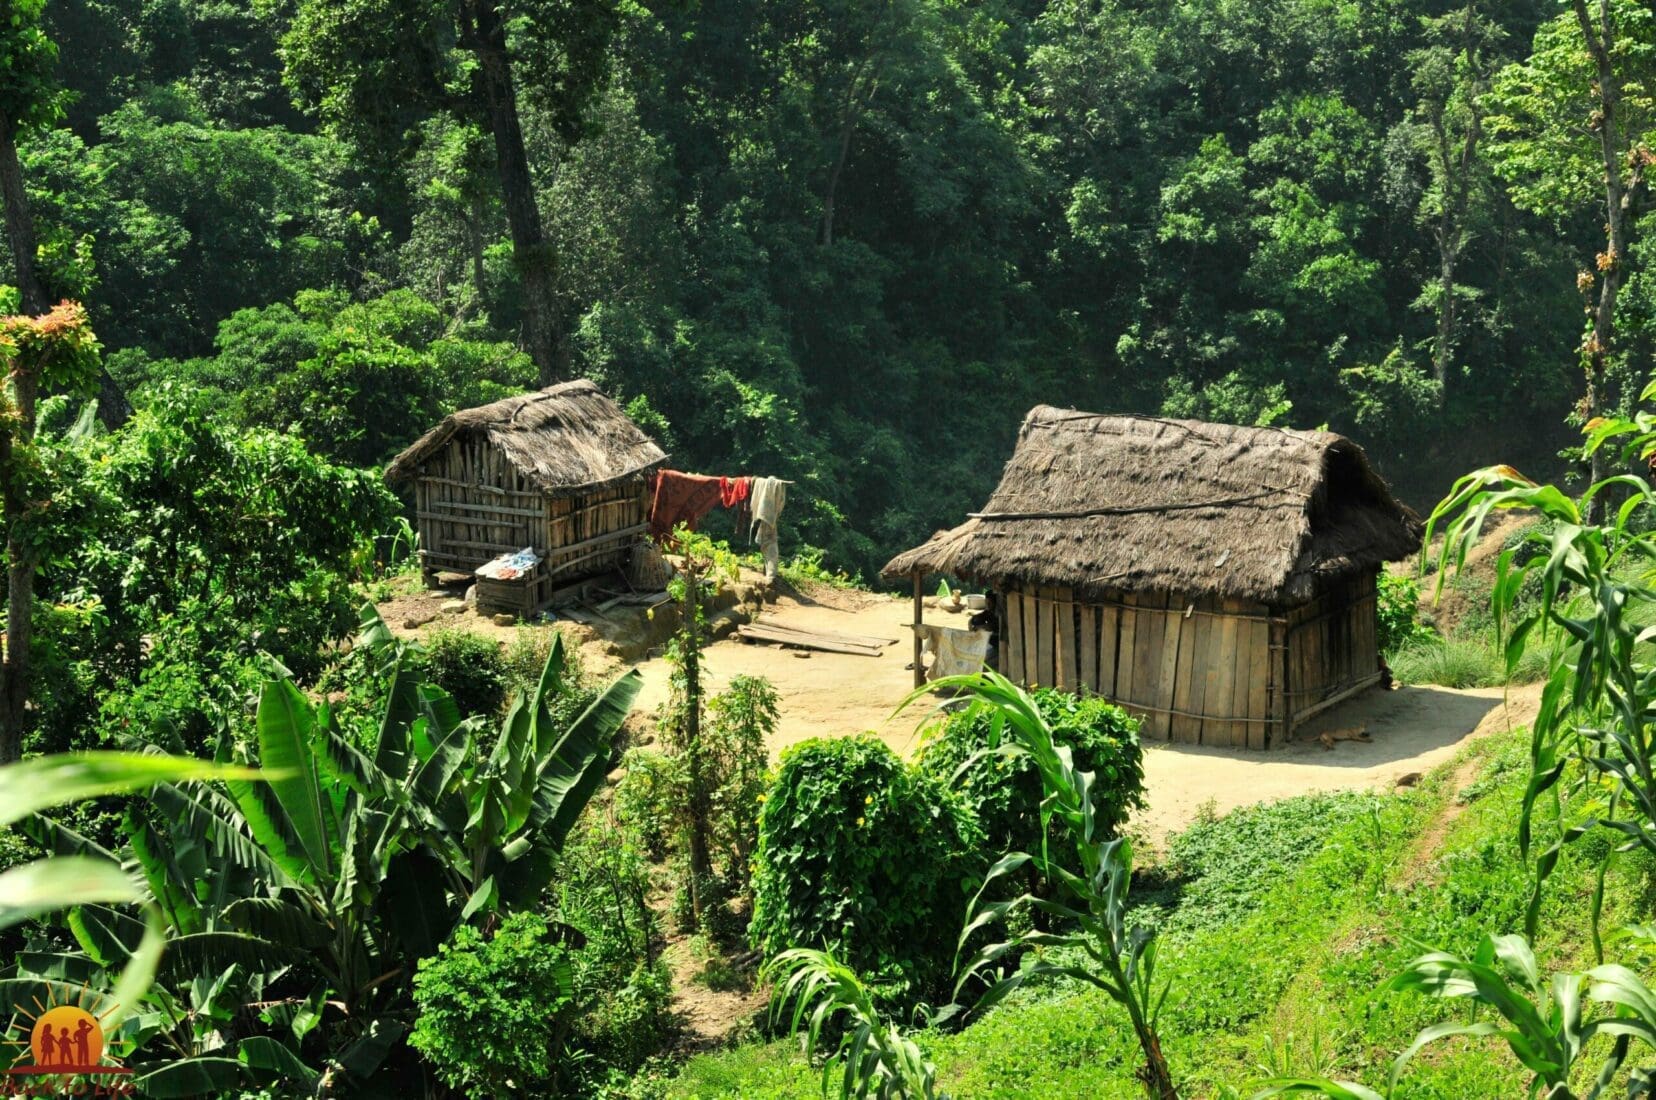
(56, 349)
(1573, 127)
(375, 68)
(1451, 75)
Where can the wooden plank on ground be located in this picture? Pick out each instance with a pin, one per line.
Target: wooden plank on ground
(757, 632)
(1068, 656)
(852, 639)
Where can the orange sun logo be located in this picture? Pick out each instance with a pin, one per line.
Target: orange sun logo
(64, 1040)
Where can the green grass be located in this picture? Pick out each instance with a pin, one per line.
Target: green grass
(1284, 970)
(1461, 662)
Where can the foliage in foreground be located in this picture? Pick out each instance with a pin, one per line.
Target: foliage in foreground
(1288, 980)
(494, 1012)
(1088, 907)
(867, 857)
(314, 897)
(1004, 786)
(826, 996)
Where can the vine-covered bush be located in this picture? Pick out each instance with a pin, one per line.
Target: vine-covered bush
(494, 1012)
(1397, 612)
(1004, 790)
(864, 855)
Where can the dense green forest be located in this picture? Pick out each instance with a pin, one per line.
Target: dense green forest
(849, 243)
(296, 825)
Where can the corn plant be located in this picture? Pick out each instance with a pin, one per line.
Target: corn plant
(1087, 911)
(1595, 598)
(876, 1058)
(1592, 760)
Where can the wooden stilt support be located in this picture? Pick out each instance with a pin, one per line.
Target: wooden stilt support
(919, 618)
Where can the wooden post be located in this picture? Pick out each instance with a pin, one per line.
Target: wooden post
(919, 620)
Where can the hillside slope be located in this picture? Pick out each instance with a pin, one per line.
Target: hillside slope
(1288, 980)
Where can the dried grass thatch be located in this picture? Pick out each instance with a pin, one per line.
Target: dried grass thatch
(565, 439)
(1146, 504)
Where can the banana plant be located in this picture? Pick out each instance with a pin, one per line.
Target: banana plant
(299, 908)
(86, 877)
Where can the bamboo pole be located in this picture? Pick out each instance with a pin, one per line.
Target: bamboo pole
(919, 619)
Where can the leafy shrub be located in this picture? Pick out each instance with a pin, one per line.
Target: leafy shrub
(649, 800)
(734, 765)
(470, 667)
(1004, 789)
(494, 1013)
(1397, 611)
(525, 656)
(868, 858)
(180, 541)
(622, 988)
(652, 801)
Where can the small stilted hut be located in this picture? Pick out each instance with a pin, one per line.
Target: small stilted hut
(1218, 581)
(562, 471)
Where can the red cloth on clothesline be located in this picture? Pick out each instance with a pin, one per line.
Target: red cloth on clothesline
(734, 490)
(682, 498)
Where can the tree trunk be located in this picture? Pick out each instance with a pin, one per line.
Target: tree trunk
(701, 860)
(532, 253)
(474, 241)
(14, 665)
(20, 237)
(849, 115)
(1596, 351)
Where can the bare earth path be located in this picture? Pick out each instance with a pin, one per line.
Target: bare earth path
(830, 694)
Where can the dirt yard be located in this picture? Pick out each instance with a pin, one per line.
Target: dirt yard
(826, 694)
(831, 694)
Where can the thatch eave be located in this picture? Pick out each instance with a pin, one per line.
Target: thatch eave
(1099, 503)
(565, 440)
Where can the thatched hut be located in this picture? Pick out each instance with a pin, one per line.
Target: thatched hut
(1218, 581)
(563, 471)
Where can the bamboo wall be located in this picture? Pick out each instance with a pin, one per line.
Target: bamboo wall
(1333, 644)
(1198, 671)
(472, 505)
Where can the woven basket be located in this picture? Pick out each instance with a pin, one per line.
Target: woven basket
(648, 571)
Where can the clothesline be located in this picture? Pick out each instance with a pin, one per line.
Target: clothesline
(677, 497)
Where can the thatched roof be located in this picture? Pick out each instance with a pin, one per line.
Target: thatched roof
(564, 439)
(1141, 503)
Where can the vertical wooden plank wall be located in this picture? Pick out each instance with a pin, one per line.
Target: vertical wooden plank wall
(1195, 671)
(472, 504)
(1332, 643)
